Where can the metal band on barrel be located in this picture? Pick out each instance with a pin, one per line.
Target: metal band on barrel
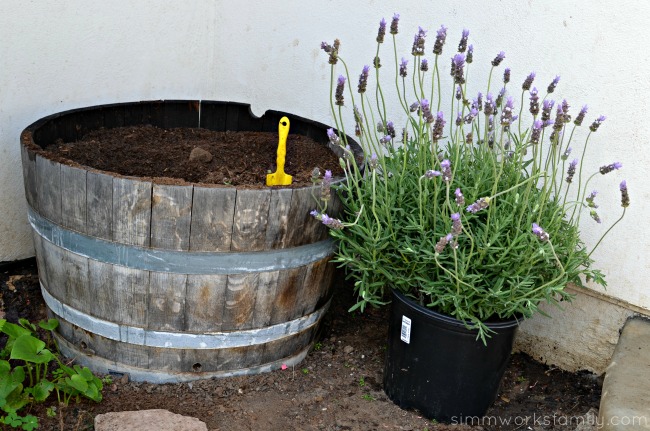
(179, 262)
(180, 340)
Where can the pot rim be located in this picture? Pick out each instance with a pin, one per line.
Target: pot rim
(429, 312)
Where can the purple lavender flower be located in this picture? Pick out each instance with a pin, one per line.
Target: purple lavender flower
(334, 52)
(590, 199)
(376, 62)
(340, 87)
(566, 154)
(534, 101)
(394, 23)
(506, 115)
(424, 65)
(414, 106)
(540, 233)
(479, 101)
(325, 185)
(358, 120)
(469, 138)
(459, 119)
(382, 31)
(528, 81)
(418, 42)
(457, 65)
(594, 215)
(478, 205)
(426, 111)
(385, 139)
(363, 79)
(597, 122)
(446, 170)
(326, 47)
(498, 59)
(459, 92)
(625, 197)
(442, 243)
(500, 96)
(489, 107)
(473, 112)
(460, 199)
(571, 170)
(327, 178)
(553, 84)
(374, 161)
(390, 129)
(402, 68)
(438, 126)
(456, 226)
(333, 137)
(431, 174)
(506, 75)
(332, 223)
(470, 54)
(547, 106)
(609, 168)
(581, 116)
(462, 46)
(315, 213)
(441, 35)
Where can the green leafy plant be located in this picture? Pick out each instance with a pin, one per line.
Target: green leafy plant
(30, 373)
(474, 211)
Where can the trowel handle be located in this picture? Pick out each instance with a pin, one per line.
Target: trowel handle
(283, 132)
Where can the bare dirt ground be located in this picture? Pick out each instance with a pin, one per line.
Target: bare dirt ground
(337, 387)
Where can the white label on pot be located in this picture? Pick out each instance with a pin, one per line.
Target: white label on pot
(406, 330)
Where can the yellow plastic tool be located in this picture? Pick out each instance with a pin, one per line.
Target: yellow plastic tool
(279, 177)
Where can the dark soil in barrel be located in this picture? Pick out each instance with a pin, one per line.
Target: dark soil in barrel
(337, 387)
(197, 155)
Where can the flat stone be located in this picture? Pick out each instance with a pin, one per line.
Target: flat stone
(625, 400)
(147, 420)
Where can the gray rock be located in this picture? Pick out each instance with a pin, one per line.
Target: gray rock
(200, 155)
(147, 420)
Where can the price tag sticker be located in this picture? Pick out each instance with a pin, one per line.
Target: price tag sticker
(406, 330)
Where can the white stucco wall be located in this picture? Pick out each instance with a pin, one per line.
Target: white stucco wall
(58, 55)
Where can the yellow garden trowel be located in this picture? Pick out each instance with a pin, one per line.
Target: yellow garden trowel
(279, 177)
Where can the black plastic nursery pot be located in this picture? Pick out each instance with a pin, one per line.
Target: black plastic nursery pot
(436, 365)
(171, 283)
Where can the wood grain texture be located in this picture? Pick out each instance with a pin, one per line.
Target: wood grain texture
(265, 294)
(53, 261)
(131, 305)
(78, 294)
(48, 184)
(29, 176)
(239, 303)
(212, 218)
(250, 220)
(171, 215)
(131, 211)
(305, 229)
(101, 284)
(73, 198)
(99, 205)
(204, 302)
(278, 218)
(289, 289)
(166, 301)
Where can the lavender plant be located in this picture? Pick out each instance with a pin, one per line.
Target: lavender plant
(473, 212)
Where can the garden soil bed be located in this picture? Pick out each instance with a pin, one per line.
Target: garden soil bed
(196, 155)
(337, 387)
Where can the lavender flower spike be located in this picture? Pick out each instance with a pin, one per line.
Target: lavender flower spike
(609, 168)
(382, 31)
(470, 54)
(597, 122)
(540, 233)
(528, 81)
(457, 226)
(590, 199)
(506, 75)
(340, 86)
(442, 243)
(553, 84)
(446, 170)
(333, 137)
(441, 36)
(438, 126)
(462, 46)
(581, 116)
(394, 23)
(457, 65)
(402, 68)
(571, 170)
(625, 197)
(363, 79)
(431, 174)
(332, 223)
(498, 59)
(460, 199)
(424, 65)
(478, 205)
(418, 42)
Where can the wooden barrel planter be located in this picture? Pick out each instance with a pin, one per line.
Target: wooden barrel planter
(171, 283)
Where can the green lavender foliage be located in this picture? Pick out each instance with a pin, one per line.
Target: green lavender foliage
(395, 229)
